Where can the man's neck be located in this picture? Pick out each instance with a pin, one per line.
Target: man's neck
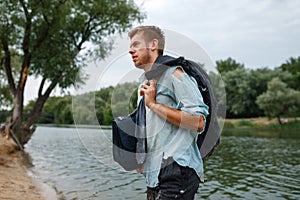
(149, 66)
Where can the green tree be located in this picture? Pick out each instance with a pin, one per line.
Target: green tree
(219, 92)
(102, 106)
(228, 65)
(233, 76)
(6, 98)
(243, 86)
(56, 110)
(108, 116)
(62, 110)
(102, 100)
(84, 111)
(293, 67)
(257, 82)
(237, 88)
(53, 39)
(279, 100)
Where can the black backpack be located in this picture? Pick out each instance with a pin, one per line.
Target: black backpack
(129, 138)
(209, 139)
(129, 135)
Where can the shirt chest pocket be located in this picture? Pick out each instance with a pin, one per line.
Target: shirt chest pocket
(166, 97)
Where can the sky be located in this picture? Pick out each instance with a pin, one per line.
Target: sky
(254, 32)
(257, 33)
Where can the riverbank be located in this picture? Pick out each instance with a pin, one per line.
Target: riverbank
(15, 181)
(263, 122)
(262, 127)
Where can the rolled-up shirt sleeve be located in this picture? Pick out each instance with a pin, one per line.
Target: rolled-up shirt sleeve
(188, 96)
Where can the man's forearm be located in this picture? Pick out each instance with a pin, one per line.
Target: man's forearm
(178, 117)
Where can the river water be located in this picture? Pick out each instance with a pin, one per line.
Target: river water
(78, 162)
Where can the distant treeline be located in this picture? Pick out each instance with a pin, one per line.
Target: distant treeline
(93, 108)
(274, 93)
(99, 107)
(249, 93)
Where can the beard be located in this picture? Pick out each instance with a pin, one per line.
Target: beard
(144, 61)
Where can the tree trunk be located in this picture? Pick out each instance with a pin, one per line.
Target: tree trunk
(279, 120)
(7, 132)
(14, 128)
(21, 133)
(17, 116)
(29, 126)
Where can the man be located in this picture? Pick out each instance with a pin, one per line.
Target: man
(175, 115)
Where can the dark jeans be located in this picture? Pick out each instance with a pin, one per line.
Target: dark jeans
(175, 182)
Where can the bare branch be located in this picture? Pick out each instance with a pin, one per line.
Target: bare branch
(40, 93)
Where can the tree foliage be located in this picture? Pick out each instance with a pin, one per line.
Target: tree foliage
(293, 67)
(93, 108)
(53, 39)
(6, 98)
(243, 86)
(224, 66)
(236, 87)
(279, 100)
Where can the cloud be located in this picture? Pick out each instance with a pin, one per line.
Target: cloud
(254, 32)
(257, 33)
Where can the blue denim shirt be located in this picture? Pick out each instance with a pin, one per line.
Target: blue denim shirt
(165, 139)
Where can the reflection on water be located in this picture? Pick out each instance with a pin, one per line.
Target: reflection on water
(79, 164)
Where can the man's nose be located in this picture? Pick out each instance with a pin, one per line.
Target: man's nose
(131, 50)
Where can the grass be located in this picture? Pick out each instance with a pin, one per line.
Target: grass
(262, 127)
(262, 123)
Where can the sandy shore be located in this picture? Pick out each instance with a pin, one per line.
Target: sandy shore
(15, 181)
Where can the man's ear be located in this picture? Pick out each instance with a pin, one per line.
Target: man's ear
(154, 45)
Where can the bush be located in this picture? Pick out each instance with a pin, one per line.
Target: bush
(246, 123)
(228, 124)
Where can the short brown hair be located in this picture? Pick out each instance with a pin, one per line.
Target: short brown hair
(150, 33)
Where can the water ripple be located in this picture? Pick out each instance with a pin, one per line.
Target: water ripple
(79, 163)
